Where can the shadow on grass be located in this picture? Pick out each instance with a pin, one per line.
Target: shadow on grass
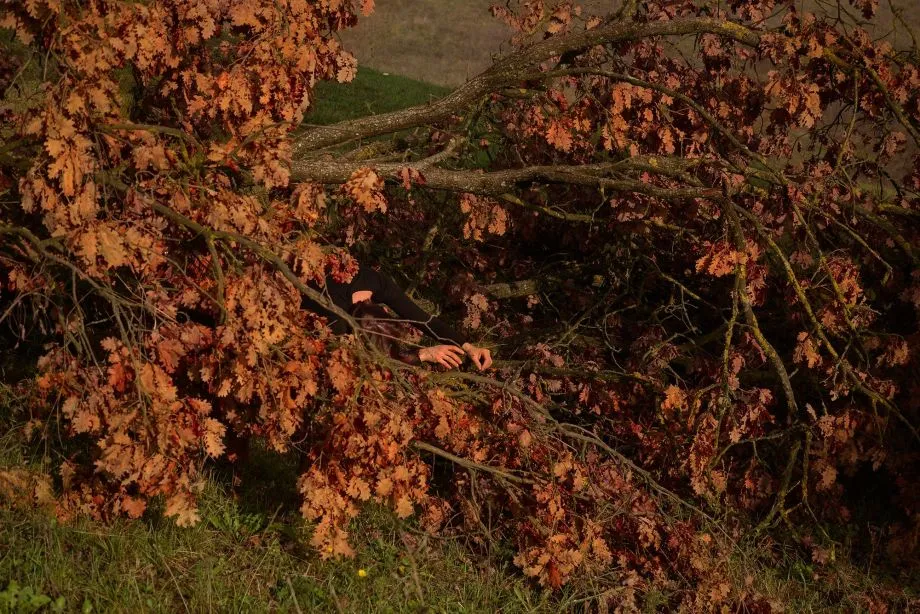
(267, 481)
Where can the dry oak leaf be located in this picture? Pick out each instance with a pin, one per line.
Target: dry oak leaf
(309, 201)
(559, 136)
(170, 352)
(133, 507)
(358, 489)
(525, 438)
(214, 432)
(720, 260)
(366, 188)
(85, 421)
(112, 247)
(806, 351)
(828, 477)
(485, 216)
(404, 507)
(183, 509)
(674, 399)
(409, 176)
(384, 487)
(24, 489)
(341, 371)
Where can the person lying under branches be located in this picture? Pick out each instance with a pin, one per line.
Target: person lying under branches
(363, 296)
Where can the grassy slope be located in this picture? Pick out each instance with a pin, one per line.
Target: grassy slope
(370, 93)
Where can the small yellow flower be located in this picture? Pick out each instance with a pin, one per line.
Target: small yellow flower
(362, 573)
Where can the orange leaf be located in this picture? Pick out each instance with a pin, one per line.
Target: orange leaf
(170, 352)
(674, 398)
(134, 507)
(365, 187)
(214, 437)
(404, 507)
(559, 136)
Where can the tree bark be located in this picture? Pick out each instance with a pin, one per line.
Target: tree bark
(507, 72)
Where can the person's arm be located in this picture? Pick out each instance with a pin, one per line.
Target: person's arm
(386, 291)
(391, 295)
(410, 356)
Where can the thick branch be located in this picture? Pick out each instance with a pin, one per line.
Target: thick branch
(513, 289)
(473, 465)
(580, 372)
(772, 355)
(498, 184)
(507, 72)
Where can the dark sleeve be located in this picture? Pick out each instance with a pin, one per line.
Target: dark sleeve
(308, 303)
(408, 356)
(336, 324)
(387, 292)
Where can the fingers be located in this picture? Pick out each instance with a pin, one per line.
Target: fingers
(449, 361)
(481, 357)
(445, 355)
(454, 354)
(450, 356)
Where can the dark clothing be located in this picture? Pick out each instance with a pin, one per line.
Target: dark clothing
(379, 329)
(386, 292)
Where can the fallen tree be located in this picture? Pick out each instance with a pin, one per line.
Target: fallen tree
(691, 235)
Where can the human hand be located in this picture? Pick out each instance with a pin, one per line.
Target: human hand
(481, 357)
(448, 355)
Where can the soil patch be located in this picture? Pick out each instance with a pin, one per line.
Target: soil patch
(447, 42)
(438, 41)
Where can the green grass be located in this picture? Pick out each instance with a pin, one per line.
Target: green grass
(251, 553)
(370, 93)
(246, 564)
(248, 554)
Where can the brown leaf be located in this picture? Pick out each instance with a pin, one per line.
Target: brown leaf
(366, 188)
